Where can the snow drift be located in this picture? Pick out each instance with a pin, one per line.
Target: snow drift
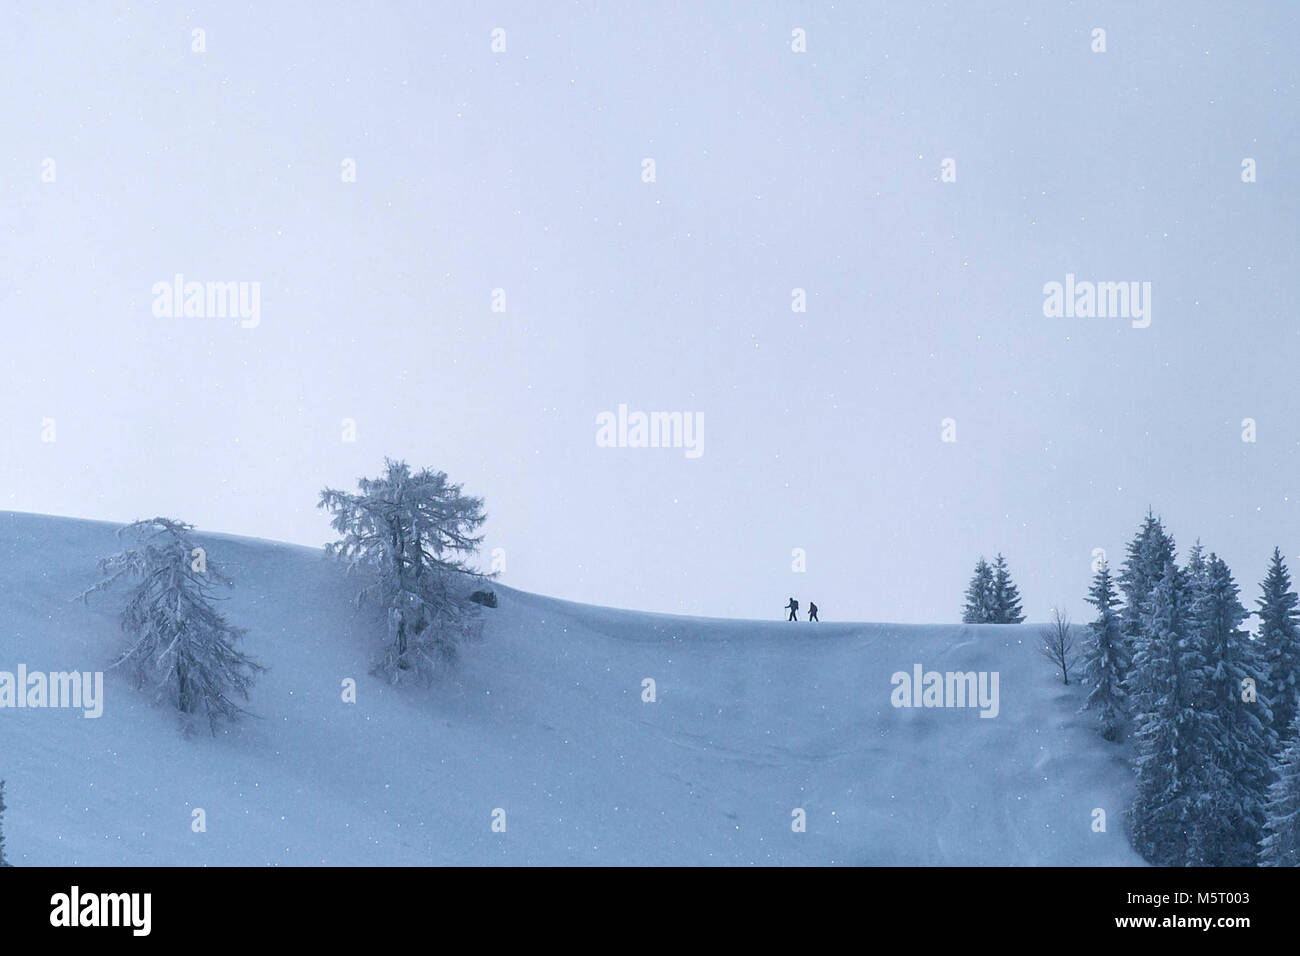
(543, 726)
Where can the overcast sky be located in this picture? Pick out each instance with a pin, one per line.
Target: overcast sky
(523, 170)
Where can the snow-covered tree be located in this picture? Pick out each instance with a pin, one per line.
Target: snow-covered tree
(1198, 568)
(1279, 639)
(1236, 739)
(410, 533)
(1006, 596)
(1149, 553)
(1170, 728)
(180, 646)
(1281, 843)
(981, 603)
(1105, 658)
(2, 824)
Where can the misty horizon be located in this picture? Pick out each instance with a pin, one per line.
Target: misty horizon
(420, 238)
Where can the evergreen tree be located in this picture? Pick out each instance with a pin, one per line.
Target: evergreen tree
(1198, 568)
(410, 533)
(1281, 843)
(1105, 658)
(2, 824)
(1279, 639)
(180, 647)
(981, 607)
(1006, 596)
(1149, 553)
(1167, 677)
(1236, 737)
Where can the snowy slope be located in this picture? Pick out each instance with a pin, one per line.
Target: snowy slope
(543, 719)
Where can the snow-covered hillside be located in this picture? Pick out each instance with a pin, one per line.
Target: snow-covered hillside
(543, 719)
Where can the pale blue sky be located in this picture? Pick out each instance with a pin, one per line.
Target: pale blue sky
(775, 170)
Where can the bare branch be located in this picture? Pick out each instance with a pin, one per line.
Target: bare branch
(1057, 645)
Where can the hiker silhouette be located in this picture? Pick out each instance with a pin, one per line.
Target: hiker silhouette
(793, 606)
(812, 611)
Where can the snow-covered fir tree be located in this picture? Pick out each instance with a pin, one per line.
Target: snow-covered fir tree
(1280, 845)
(1170, 728)
(1105, 658)
(180, 646)
(981, 604)
(410, 533)
(1150, 551)
(1279, 640)
(1237, 739)
(1198, 568)
(1006, 596)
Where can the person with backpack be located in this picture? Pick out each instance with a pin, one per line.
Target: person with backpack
(794, 607)
(812, 611)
